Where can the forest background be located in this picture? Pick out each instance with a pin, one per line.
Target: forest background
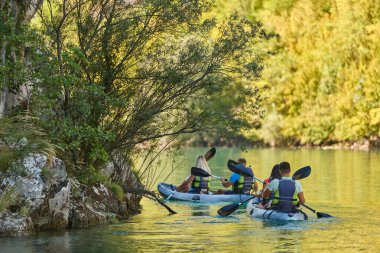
(105, 79)
(322, 75)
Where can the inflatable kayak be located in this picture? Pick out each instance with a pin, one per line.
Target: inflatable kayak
(268, 214)
(167, 190)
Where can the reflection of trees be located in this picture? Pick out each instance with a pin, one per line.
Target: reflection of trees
(200, 210)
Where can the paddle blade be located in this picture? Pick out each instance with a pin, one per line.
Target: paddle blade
(210, 154)
(227, 210)
(302, 173)
(199, 172)
(323, 215)
(239, 169)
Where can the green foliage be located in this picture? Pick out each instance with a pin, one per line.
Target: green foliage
(90, 176)
(46, 174)
(324, 75)
(118, 190)
(14, 36)
(24, 211)
(114, 80)
(21, 136)
(7, 198)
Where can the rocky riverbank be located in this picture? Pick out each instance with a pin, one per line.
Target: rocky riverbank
(37, 195)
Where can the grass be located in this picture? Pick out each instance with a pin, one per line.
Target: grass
(118, 190)
(24, 211)
(21, 136)
(7, 198)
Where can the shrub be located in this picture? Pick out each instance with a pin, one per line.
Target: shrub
(21, 136)
(118, 190)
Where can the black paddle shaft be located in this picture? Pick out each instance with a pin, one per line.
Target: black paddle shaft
(227, 210)
(319, 214)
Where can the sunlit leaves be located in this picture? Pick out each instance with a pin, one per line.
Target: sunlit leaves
(129, 74)
(323, 75)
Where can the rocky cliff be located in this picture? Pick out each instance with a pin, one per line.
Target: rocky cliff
(38, 195)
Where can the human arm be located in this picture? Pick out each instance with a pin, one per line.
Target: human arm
(225, 182)
(300, 194)
(189, 180)
(301, 198)
(271, 187)
(186, 184)
(255, 186)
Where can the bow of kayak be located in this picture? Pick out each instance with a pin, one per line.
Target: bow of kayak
(269, 214)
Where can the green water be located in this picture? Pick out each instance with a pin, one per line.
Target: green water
(345, 184)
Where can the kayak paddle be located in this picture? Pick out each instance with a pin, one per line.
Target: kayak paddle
(302, 173)
(227, 210)
(239, 168)
(319, 214)
(195, 171)
(209, 154)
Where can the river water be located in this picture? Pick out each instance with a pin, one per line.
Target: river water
(345, 184)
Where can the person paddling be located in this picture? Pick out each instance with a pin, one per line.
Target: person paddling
(194, 184)
(240, 184)
(288, 193)
(275, 174)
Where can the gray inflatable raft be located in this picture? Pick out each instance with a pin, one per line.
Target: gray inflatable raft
(167, 190)
(268, 214)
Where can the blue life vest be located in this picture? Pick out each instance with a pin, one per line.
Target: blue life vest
(243, 185)
(285, 198)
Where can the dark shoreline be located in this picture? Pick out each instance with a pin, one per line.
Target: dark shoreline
(363, 145)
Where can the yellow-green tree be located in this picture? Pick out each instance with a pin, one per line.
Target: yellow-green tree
(324, 75)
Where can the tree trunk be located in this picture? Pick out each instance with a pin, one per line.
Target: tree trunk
(21, 11)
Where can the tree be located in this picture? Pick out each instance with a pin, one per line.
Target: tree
(14, 18)
(323, 76)
(121, 75)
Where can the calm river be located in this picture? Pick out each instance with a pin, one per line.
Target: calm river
(345, 184)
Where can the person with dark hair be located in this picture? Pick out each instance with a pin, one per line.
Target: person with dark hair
(288, 193)
(275, 174)
(240, 184)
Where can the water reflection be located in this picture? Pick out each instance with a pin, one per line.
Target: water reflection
(345, 184)
(200, 210)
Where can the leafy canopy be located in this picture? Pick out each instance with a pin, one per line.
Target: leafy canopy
(116, 76)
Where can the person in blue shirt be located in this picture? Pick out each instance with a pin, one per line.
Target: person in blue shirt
(240, 184)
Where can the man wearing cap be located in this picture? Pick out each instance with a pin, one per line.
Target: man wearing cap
(288, 193)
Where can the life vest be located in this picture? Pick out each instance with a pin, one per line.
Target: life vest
(201, 183)
(243, 184)
(285, 198)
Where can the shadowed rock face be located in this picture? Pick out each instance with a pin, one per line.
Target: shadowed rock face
(44, 198)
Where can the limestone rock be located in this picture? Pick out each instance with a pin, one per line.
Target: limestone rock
(54, 201)
(15, 225)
